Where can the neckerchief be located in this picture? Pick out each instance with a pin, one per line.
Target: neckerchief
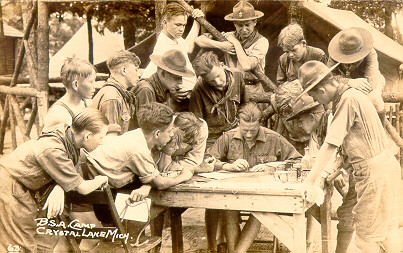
(67, 138)
(228, 93)
(128, 96)
(246, 43)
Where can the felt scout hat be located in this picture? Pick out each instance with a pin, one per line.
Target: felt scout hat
(302, 105)
(311, 73)
(243, 11)
(172, 61)
(350, 45)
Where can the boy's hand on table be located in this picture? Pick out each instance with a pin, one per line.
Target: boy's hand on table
(102, 181)
(207, 165)
(238, 165)
(55, 202)
(138, 194)
(258, 167)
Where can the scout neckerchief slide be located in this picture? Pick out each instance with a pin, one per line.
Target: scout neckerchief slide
(123, 213)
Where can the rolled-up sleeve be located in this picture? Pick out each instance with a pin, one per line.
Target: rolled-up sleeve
(143, 165)
(257, 52)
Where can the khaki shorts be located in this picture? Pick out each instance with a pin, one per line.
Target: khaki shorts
(377, 186)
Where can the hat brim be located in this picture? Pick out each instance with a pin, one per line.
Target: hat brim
(230, 17)
(320, 78)
(338, 56)
(303, 110)
(156, 59)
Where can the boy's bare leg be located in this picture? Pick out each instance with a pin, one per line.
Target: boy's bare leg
(232, 230)
(248, 234)
(211, 219)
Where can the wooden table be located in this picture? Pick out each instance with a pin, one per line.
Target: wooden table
(279, 207)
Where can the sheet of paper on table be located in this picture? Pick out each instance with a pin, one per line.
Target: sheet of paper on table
(137, 212)
(217, 175)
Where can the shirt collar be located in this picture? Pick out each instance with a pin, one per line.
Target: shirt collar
(260, 135)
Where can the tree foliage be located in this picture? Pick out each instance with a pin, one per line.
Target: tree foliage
(377, 13)
(134, 19)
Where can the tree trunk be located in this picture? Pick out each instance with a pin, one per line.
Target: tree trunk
(90, 40)
(388, 21)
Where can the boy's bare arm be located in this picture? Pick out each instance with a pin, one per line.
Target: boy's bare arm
(194, 31)
(161, 182)
(88, 186)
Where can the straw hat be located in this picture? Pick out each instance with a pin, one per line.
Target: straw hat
(350, 45)
(243, 11)
(172, 61)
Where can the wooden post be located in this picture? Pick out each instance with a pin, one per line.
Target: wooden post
(12, 127)
(32, 118)
(43, 60)
(18, 117)
(90, 40)
(3, 65)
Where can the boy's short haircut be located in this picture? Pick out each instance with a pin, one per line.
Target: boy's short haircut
(154, 116)
(89, 119)
(75, 69)
(172, 10)
(250, 112)
(122, 57)
(190, 125)
(290, 36)
(205, 63)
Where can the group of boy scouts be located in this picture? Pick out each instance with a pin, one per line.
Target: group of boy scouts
(186, 117)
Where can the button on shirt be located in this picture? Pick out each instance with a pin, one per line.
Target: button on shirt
(121, 158)
(269, 147)
(164, 43)
(52, 157)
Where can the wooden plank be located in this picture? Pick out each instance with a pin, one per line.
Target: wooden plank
(19, 91)
(12, 127)
(299, 233)
(242, 202)
(326, 222)
(281, 229)
(176, 229)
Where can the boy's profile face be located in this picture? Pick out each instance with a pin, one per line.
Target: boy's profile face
(93, 140)
(131, 74)
(296, 52)
(245, 28)
(175, 26)
(307, 122)
(172, 145)
(216, 77)
(86, 86)
(171, 81)
(320, 95)
(165, 135)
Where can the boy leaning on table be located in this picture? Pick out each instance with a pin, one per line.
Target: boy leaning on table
(244, 149)
(357, 130)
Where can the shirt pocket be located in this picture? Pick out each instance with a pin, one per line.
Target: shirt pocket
(20, 192)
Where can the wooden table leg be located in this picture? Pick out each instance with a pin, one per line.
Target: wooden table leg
(176, 229)
(299, 228)
(157, 223)
(326, 221)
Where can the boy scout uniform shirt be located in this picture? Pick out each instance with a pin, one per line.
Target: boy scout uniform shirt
(52, 157)
(218, 108)
(356, 126)
(269, 147)
(121, 158)
(368, 68)
(114, 106)
(288, 68)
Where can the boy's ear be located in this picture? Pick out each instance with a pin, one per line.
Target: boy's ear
(74, 84)
(322, 90)
(123, 71)
(303, 42)
(87, 135)
(157, 133)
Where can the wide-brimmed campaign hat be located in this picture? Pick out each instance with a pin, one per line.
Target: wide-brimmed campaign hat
(172, 61)
(304, 104)
(350, 45)
(311, 73)
(243, 11)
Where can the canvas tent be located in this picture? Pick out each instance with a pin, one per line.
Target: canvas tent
(104, 45)
(320, 24)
